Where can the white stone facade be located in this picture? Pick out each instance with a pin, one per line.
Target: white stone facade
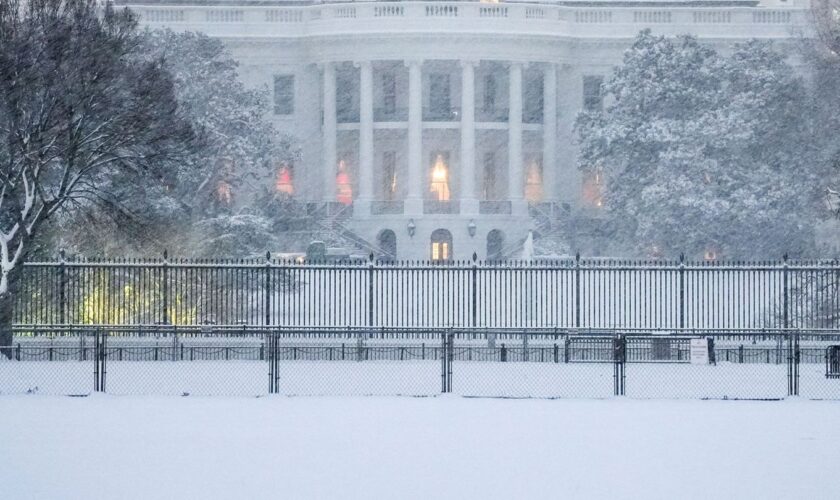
(385, 90)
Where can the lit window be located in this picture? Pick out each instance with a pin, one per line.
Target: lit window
(343, 186)
(441, 245)
(440, 179)
(533, 182)
(593, 97)
(593, 188)
(224, 192)
(284, 94)
(389, 175)
(284, 182)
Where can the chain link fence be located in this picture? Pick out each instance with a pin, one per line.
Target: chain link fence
(246, 360)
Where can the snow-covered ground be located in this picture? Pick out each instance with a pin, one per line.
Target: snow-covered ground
(439, 447)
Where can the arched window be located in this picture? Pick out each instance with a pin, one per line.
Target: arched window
(441, 245)
(495, 244)
(387, 242)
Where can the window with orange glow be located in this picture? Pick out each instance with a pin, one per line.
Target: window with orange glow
(439, 186)
(534, 182)
(285, 183)
(224, 192)
(343, 185)
(593, 189)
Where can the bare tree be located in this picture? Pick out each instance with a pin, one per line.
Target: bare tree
(78, 106)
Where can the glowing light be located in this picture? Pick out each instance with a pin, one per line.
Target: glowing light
(224, 192)
(440, 182)
(343, 186)
(710, 255)
(533, 183)
(284, 181)
(593, 186)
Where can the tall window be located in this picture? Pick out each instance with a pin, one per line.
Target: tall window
(285, 179)
(439, 103)
(489, 104)
(439, 186)
(593, 188)
(533, 103)
(344, 88)
(284, 94)
(343, 184)
(441, 245)
(489, 186)
(593, 96)
(389, 93)
(534, 180)
(389, 175)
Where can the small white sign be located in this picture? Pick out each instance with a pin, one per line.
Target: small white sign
(699, 352)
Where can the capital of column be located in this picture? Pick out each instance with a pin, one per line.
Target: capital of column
(413, 62)
(469, 62)
(363, 64)
(323, 65)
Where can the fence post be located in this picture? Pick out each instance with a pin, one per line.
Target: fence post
(474, 303)
(96, 348)
(443, 362)
(682, 291)
(577, 290)
(62, 288)
(165, 287)
(269, 339)
(267, 288)
(619, 360)
(370, 291)
(785, 296)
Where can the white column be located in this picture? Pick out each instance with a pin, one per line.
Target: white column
(329, 132)
(550, 132)
(515, 176)
(414, 201)
(469, 202)
(362, 205)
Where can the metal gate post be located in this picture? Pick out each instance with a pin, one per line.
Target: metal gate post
(96, 348)
(450, 356)
(619, 360)
(443, 346)
(103, 360)
(269, 339)
(796, 359)
(682, 291)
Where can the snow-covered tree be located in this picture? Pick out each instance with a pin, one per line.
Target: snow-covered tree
(704, 152)
(78, 108)
(209, 197)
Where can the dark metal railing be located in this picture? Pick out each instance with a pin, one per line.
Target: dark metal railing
(566, 293)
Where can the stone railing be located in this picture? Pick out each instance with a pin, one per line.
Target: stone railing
(473, 17)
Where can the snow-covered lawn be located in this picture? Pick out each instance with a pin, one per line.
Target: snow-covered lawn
(438, 447)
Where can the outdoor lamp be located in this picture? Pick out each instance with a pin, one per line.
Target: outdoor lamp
(471, 228)
(411, 228)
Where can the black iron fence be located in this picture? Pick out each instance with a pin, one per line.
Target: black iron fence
(538, 362)
(572, 293)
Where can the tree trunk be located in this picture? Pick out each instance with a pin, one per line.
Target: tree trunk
(7, 302)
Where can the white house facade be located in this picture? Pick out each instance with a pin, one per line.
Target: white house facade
(435, 130)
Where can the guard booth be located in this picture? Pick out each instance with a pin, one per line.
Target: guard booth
(832, 361)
